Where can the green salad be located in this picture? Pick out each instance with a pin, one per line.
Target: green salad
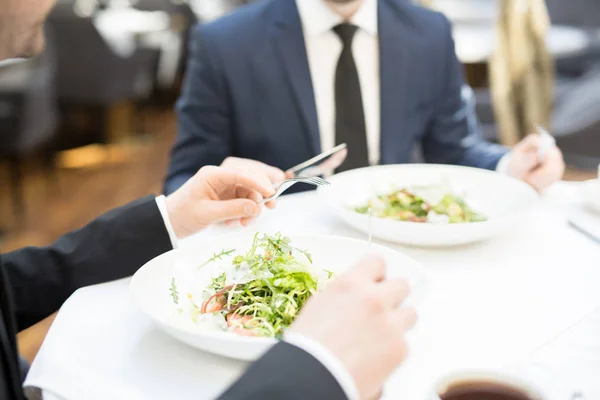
(257, 293)
(404, 205)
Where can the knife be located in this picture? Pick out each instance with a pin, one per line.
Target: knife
(322, 164)
(583, 230)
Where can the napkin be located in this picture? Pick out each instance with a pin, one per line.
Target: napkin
(102, 347)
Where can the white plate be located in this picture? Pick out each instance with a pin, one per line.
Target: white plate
(503, 200)
(591, 194)
(150, 285)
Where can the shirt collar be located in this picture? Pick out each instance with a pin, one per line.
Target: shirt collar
(318, 18)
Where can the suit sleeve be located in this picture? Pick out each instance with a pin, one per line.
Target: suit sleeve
(285, 372)
(111, 247)
(454, 136)
(203, 111)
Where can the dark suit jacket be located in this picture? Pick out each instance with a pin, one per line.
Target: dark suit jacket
(34, 282)
(248, 92)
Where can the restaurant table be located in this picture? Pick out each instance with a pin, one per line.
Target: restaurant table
(468, 10)
(125, 29)
(475, 42)
(121, 27)
(527, 300)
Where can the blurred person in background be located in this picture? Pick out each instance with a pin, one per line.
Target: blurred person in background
(336, 350)
(281, 80)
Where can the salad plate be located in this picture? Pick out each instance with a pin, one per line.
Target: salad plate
(235, 295)
(429, 205)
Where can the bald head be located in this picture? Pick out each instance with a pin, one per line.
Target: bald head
(22, 27)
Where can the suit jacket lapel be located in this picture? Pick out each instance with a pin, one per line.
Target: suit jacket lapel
(289, 42)
(394, 56)
(8, 349)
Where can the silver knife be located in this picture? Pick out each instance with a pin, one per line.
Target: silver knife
(579, 228)
(322, 164)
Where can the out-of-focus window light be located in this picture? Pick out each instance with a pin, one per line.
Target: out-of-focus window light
(85, 8)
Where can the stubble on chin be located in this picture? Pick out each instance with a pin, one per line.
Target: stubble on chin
(33, 43)
(21, 43)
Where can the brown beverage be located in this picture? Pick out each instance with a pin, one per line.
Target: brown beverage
(483, 390)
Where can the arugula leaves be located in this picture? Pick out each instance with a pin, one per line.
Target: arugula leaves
(216, 257)
(280, 287)
(174, 292)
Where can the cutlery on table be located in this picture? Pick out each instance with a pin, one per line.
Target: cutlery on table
(285, 185)
(323, 164)
(547, 142)
(579, 228)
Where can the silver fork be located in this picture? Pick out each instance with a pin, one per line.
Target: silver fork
(285, 185)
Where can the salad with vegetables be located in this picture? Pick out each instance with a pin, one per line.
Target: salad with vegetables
(256, 293)
(406, 205)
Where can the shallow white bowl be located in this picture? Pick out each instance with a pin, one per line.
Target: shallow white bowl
(503, 200)
(150, 285)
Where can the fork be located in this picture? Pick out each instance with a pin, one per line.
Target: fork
(285, 185)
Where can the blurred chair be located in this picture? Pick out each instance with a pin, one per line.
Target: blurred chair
(576, 117)
(90, 73)
(28, 117)
(576, 121)
(583, 14)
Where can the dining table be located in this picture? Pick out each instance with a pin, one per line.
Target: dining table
(475, 42)
(125, 29)
(475, 24)
(526, 301)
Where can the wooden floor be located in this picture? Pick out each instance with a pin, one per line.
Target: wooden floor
(80, 194)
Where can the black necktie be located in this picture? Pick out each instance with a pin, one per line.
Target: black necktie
(349, 115)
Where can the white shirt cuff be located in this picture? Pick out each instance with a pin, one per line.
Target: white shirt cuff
(162, 207)
(502, 166)
(328, 360)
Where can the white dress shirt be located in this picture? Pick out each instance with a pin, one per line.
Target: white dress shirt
(316, 350)
(323, 49)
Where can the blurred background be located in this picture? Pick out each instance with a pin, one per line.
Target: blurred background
(89, 124)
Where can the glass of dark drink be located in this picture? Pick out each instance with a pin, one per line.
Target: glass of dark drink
(479, 385)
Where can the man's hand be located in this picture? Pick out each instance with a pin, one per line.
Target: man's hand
(359, 319)
(525, 165)
(275, 175)
(217, 194)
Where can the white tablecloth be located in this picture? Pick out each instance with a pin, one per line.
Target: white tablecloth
(517, 301)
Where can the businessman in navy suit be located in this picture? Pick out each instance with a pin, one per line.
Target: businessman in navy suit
(281, 80)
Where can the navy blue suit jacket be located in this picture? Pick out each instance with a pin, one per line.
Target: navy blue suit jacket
(248, 92)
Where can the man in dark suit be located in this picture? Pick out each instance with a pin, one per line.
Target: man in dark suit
(281, 80)
(335, 350)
